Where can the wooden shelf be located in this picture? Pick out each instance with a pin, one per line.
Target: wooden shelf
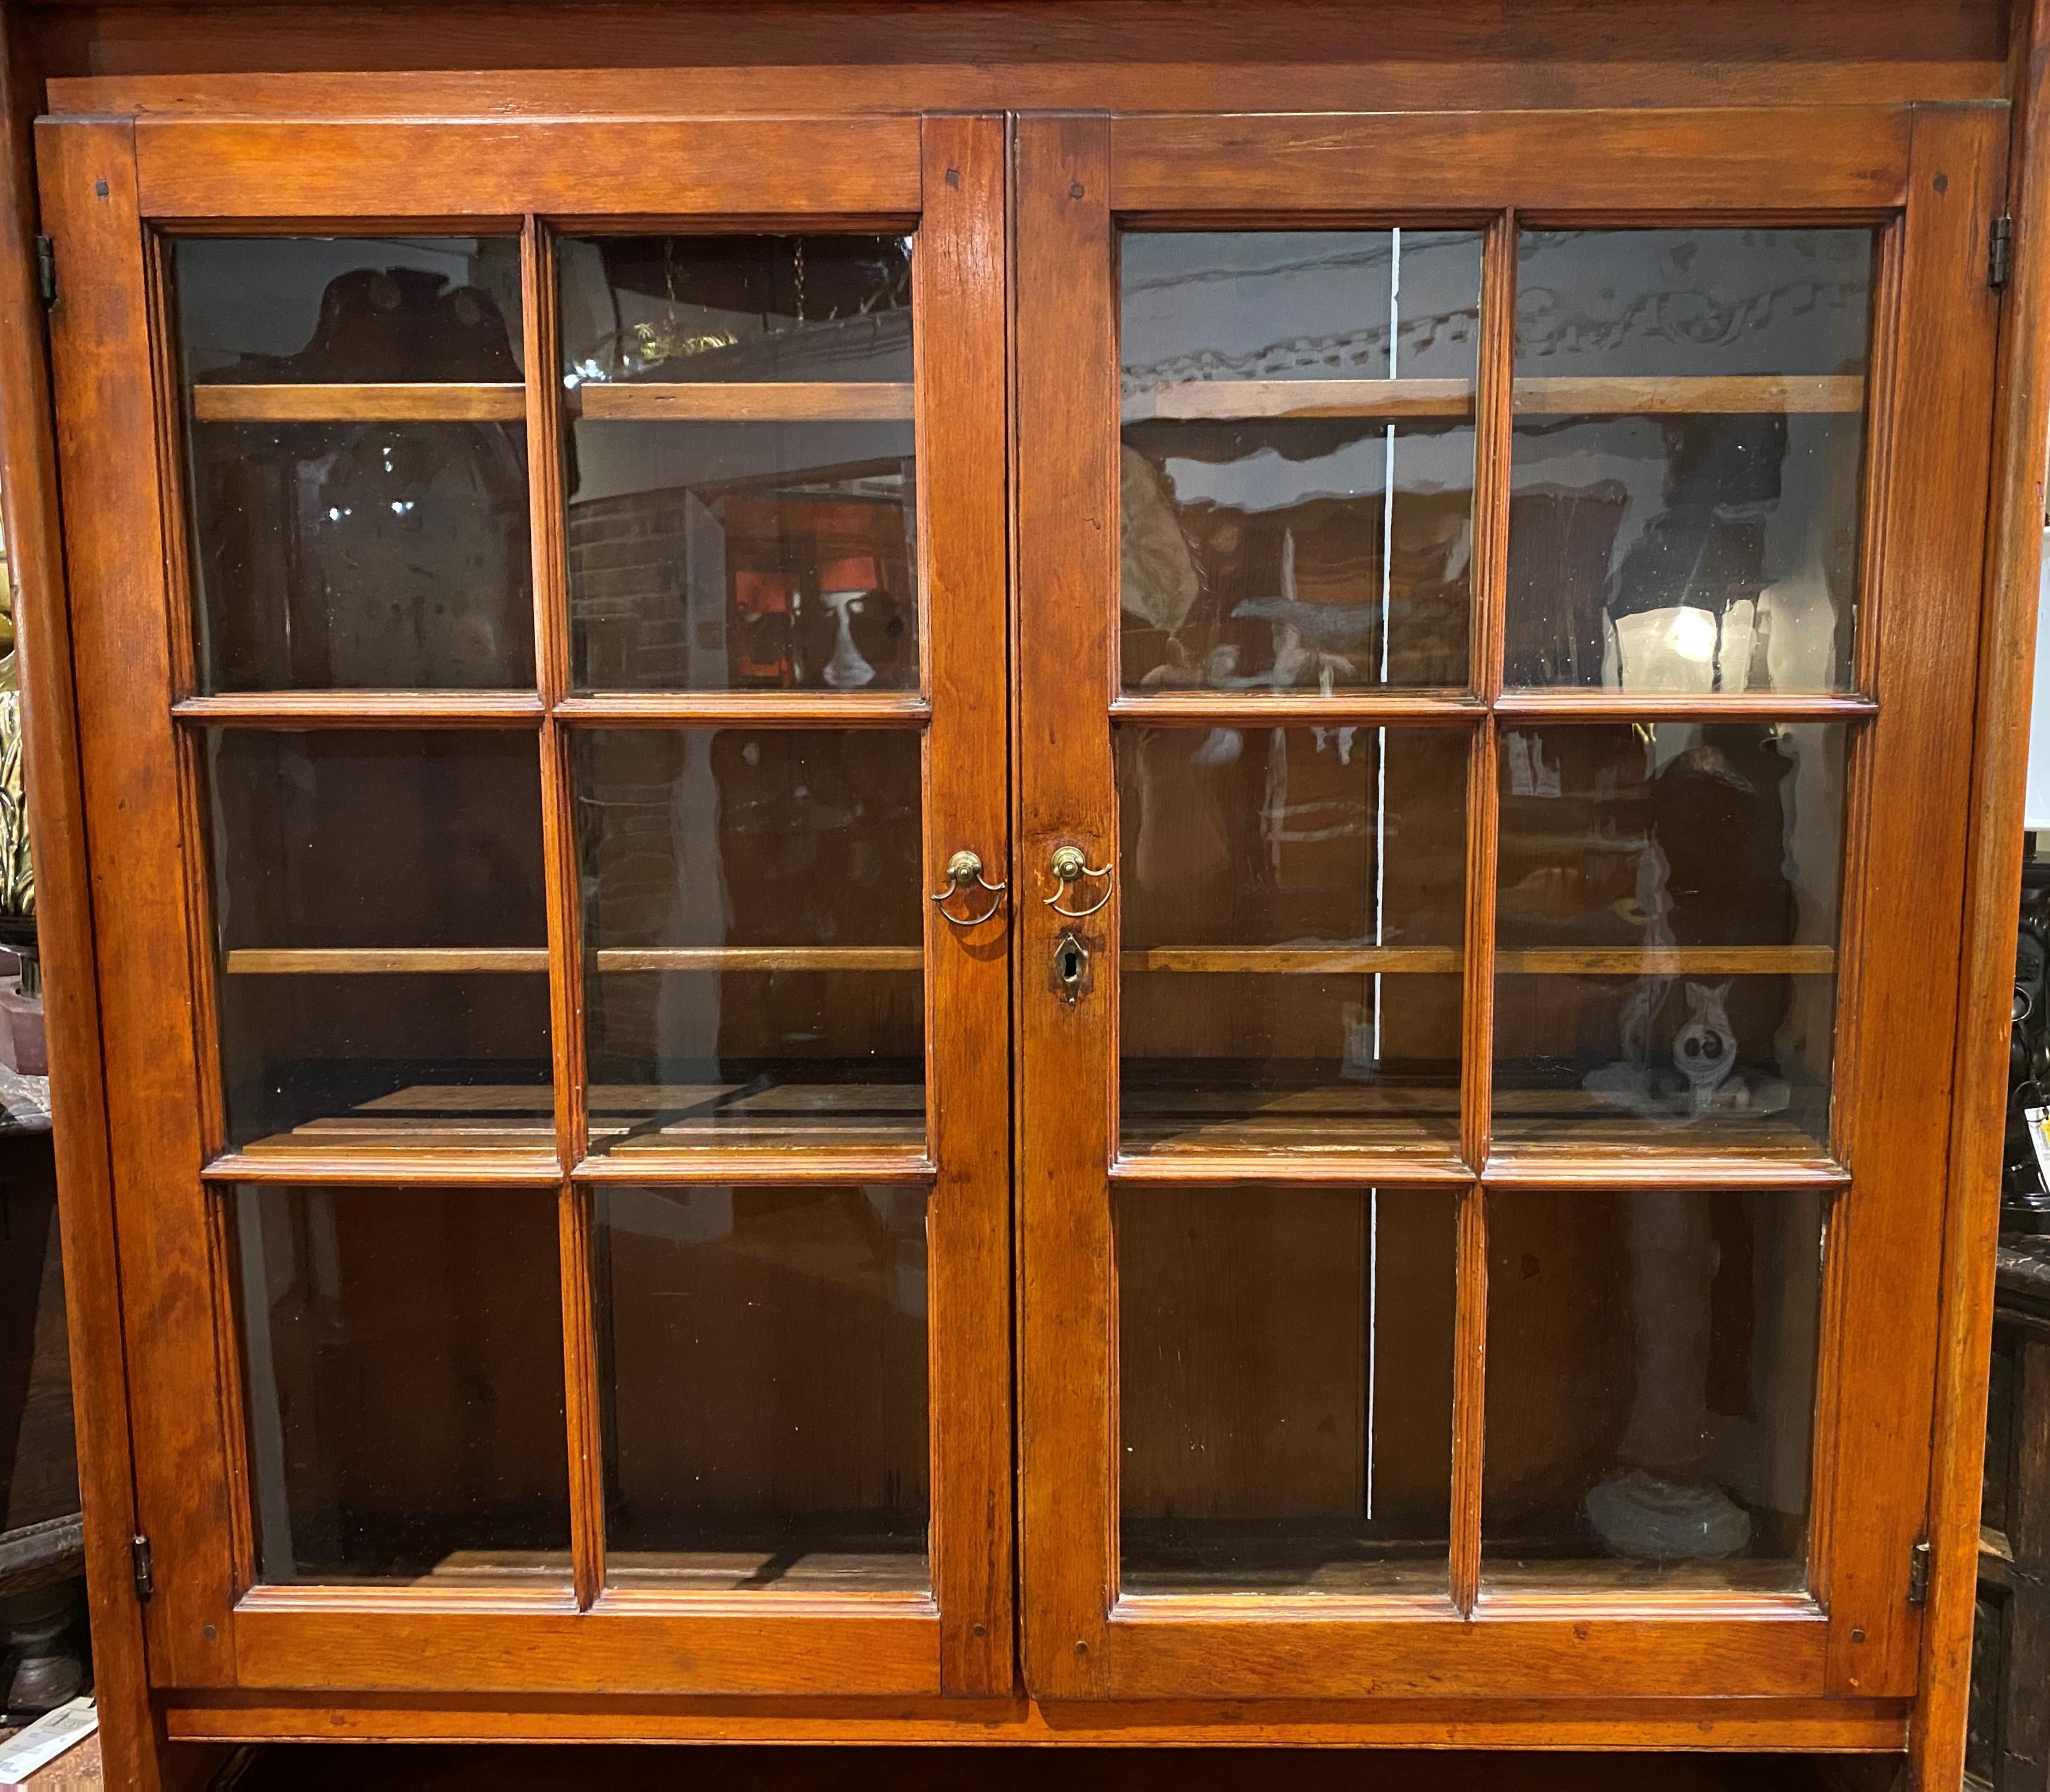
(365, 402)
(486, 708)
(1227, 401)
(1605, 704)
(366, 961)
(1550, 960)
(414, 960)
(641, 1123)
(765, 708)
(1367, 707)
(1667, 961)
(790, 1568)
(777, 402)
(1292, 961)
(877, 1129)
(360, 708)
(1261, 961)
(1747, 394)
(1733, 395)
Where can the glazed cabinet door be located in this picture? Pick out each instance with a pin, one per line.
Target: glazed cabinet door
(1498, 608)
(539, 598)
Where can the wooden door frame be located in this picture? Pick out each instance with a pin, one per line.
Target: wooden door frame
(1929, 177)
(109, 188)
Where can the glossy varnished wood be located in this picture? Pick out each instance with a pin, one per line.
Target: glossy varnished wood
(960, 299)
(489, 169)
(132, 1742)
(1548, 1723)
(1067, 558)
(746, 708)
(360, 404)
(767, 401)
(1893, 1113)
(788, 1644)
(2007, 644)
(1445, 60)
(360, 709)
(116, 563)
(1853, 158)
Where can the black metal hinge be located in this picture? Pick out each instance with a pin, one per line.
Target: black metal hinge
(46, 270)
(145, 1566)
(1918, 1575)
(2000, 253)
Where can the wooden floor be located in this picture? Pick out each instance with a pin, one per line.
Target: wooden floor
(331, 1767)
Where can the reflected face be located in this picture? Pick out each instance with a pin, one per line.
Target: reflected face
(848, 640)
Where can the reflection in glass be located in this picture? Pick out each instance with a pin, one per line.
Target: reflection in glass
(741, 511)
(1666, 933)
(402, 1361)
(1281, 529)
(1292, 904)
(763, 1370)
(1688, 458)
(1651, 1388)
(1285, 1390)
(378, 912)
(354, 551)
(752, 918)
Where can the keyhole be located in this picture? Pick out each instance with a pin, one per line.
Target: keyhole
(1070, 967)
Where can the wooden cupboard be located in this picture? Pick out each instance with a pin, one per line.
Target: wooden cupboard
(1036, 893)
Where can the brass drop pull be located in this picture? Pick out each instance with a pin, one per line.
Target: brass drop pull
(1070, 866)
(964, 872)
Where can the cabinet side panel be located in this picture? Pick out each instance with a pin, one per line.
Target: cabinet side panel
(2007, 647)
(131, 1744)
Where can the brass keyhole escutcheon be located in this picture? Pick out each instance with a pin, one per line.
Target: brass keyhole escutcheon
(1071, 959)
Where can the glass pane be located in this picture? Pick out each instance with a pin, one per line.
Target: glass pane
(1667, 935)
(1285, 1390)
(333, 544)
(1688, 454)
(753, 917)
(1292, 914)
(1298, 457)
(401, 1353)
(383, 947)
(1650, 1389)
(741, 514)
(763, 1364)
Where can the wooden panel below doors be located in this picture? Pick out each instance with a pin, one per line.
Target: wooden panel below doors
(1850, 1725)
